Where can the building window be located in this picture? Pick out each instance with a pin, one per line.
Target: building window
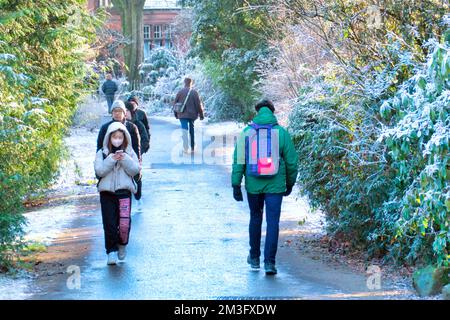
(147, 32)
(157, 32)
(168, 32)
(105, 3)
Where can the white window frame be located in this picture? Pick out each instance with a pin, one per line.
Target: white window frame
(105, 3)
(147, 31)
(157, 34)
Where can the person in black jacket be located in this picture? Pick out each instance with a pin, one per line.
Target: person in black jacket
(109, 89)
(140, 114)
(131, 116)
(119, 114)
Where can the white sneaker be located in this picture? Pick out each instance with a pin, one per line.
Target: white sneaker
(112, 258)
(122, 252)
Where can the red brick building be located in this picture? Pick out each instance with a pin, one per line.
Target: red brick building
(158, 17)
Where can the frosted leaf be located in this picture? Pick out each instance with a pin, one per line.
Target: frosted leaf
(446, 20)
(7, 56)
(430, 87)
(441, 133)
(35, 111)
(38, 101)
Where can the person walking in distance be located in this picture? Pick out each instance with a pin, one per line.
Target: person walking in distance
(109, 89)
(187, 108)
(266, 156)
(116, 164)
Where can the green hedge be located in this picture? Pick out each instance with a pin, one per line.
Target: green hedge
(380, 168)
(43, 45)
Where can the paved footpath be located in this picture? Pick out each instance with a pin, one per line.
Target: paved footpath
(189, 241)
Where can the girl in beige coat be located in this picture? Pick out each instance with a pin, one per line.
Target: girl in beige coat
(116, 164)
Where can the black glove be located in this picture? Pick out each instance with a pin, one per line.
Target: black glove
(288, 190)
(237, 193)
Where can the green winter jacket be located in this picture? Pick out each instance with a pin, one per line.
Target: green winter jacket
(287, 173)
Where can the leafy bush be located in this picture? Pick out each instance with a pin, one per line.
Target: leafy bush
(417, 139)
(334, 135)
(221, 107)
(378, 163)
(42, 74)
(161, 62)
(236, 77)
(230, 37)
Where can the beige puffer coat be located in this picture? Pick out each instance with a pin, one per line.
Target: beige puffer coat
(116, 175)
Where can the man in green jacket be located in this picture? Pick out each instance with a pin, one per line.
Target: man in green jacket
(268, 190)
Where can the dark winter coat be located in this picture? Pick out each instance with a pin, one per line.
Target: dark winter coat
(194, 105)
(109, 87)
(145, 139)
(142, 117)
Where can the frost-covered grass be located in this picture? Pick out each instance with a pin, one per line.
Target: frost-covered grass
(76, 171)
(89, 113)
(14, 288)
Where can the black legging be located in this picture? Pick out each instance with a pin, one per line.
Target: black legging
(116, 216)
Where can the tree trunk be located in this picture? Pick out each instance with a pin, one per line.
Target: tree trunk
(132, 13)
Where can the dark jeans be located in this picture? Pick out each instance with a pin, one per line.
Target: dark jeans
(109, 101)
(116, 210)
(184, 126)
(273, 210)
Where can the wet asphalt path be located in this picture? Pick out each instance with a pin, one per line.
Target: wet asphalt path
(190, 241)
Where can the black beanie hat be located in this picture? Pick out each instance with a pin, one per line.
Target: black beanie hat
(265, 103)
(133, 98)
(129, 106)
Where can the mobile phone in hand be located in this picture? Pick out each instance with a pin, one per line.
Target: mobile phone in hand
(119, 151)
